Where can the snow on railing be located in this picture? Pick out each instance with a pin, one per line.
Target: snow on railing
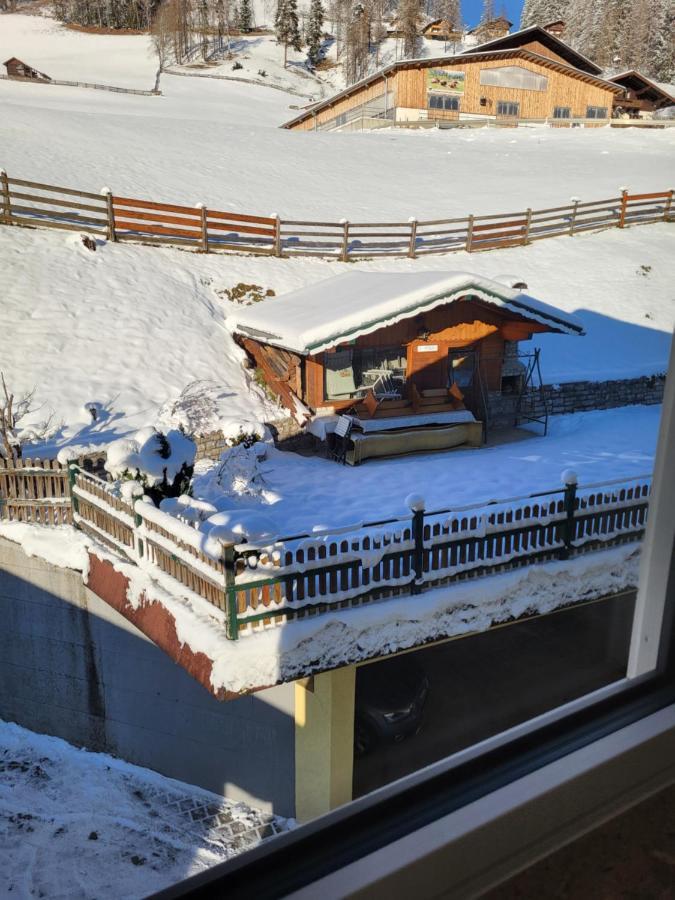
(206, 230)
(259, 584)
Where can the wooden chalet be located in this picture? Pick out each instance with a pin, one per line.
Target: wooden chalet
(410, 357)
(531, 75)
(18, 69)
(493, 28)
(557, 28)
(442, 30)
(642, 95)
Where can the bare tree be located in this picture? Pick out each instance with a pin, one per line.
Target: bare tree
(12, 411)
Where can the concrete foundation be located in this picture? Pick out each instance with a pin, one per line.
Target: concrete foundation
(73, 667)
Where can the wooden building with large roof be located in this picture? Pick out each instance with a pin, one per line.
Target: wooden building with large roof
(411, 356)
(530, 75)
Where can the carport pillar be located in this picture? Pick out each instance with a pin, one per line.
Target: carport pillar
(324, 742)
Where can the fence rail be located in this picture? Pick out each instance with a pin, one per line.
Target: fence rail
(206, 230)
(259, 585)
(83, 84)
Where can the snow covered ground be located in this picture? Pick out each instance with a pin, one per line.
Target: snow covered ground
(130, 327)
(67, 55)
(79, 825)
(218, 142)
(300, 493)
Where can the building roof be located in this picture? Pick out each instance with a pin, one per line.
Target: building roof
(634, 80)
(467, 56)
(347, 306)
(536, 32)
(483, 25)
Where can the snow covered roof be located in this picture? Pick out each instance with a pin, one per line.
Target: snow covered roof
(342, 308)
(629, 78)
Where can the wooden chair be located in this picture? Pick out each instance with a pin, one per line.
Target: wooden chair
(341, 435)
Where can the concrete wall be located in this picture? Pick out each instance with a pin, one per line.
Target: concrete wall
(71, 666)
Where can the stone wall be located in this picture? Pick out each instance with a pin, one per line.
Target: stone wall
(71, 666)
(580, 396)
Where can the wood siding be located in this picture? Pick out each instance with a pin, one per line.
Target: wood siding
(562, 90)
(460, 324)
(410, 90)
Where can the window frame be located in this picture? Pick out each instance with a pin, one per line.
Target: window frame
(557, 109)
(454, 98)
(594, 114)
(509, 103)
(475, 818)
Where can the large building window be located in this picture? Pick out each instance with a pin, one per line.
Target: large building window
(596, 112)
(561, 112)
(506, 108)
(443, 101)
(353, 371)
(514, 77)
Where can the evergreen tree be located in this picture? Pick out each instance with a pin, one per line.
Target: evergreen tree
(315, 31)
(245, 16)
(541, 12)
(409, 15)
(488, 14)
(286, 26)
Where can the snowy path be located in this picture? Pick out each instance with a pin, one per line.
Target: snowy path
(310, 492)
(75, 824)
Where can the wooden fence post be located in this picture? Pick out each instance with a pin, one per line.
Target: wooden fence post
(205, 231)
(528, 223)
(232, 621)
(469, 234)
(413, 237)
(73, 469)
(6, 201)
(573, 217)
(107, 193)
(416, 504)
(669, 203)
(277, 234)
(569, 479)
(344, 252)
(624, 203)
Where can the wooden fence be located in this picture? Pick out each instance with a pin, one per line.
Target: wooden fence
(258, 585)
(35, 491)
(207, 230)
(83, 84)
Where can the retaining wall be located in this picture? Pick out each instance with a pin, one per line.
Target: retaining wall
(73, 667)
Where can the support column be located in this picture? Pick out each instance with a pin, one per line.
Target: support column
(324, 742)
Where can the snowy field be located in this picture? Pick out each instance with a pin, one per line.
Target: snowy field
(218, 142)
(130, 327)
(79, 825)
(68, 55)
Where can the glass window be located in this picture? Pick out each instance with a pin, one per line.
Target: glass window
(505, 108)
(443, 101)
(596, 112)
(514, 77)
(353, 371)
(561, 112)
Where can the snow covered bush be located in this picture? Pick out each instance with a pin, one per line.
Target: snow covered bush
(162, 464)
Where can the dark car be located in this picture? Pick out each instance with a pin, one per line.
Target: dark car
(390, 698)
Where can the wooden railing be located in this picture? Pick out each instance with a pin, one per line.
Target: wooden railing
(83, 84)
(207, 230)
(34, 491)
(308, 574)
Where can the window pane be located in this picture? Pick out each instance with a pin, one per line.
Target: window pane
(514, 77)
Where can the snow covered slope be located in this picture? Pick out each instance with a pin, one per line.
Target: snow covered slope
(79, 825)
(218, 142)
(120, 60)
(130, 327)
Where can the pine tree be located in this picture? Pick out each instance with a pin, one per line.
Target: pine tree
(286, 26)
(488, 14)
(315, 31)
(541, 12)
(409, 15)
(245, 16)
